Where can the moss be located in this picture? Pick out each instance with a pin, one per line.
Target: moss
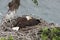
(50, 33)
(2, 38)
(9, 38)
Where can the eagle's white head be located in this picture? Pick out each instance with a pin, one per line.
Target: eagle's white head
(28, 17)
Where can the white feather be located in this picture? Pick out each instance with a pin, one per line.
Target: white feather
(15, 28)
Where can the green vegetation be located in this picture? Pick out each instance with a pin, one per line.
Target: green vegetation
(9, 38)
(35, 2)
(50, 33)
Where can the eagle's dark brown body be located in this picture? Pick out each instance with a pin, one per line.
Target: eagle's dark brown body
(23, 22)
(14, 4)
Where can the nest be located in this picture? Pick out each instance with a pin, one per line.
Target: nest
(27, 33)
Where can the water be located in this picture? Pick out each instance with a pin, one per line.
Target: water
(49, 10)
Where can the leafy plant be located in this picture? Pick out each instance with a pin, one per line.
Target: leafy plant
(50, 33)
(9, 38)
(3, 38)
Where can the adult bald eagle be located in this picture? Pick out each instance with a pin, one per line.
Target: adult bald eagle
(22, 22)
(13, 5)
